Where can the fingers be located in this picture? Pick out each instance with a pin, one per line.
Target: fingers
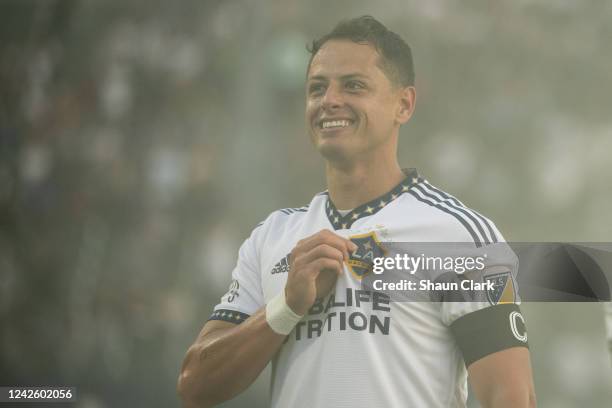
(322, 251)
(323, 264)
(328, 238)
(319, 258)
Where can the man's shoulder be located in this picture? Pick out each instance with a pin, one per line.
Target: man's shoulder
(453, 219)
(285, 217)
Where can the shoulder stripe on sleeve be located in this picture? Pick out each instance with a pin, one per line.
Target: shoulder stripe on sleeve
(289, 211)
(418, 195)
(451, 206)
(450, 198)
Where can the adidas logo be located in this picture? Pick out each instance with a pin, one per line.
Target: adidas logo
(282, 266)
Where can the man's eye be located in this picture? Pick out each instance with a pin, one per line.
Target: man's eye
(354, 85)
(316, 88)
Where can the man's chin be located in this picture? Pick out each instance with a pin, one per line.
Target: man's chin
(333, 151)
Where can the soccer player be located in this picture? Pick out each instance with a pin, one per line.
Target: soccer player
(295, 299)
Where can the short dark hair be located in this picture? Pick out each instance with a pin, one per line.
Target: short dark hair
(396, 55)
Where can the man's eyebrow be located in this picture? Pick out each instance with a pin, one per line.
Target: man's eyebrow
(355, 75)
(343, 77)
(317, 78)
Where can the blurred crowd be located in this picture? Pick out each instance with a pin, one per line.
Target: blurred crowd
(141, 141)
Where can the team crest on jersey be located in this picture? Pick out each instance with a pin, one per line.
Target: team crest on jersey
(361, 261)
(503, 288)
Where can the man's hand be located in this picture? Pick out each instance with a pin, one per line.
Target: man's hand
(315, 264)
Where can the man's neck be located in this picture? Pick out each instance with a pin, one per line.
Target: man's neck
(349, 187)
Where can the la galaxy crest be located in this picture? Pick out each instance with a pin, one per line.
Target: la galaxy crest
(361, 261)
(503, 288)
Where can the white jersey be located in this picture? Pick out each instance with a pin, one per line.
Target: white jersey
(608, 319)
(356, 348)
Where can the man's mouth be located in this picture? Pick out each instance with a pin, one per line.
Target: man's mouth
(335, 123)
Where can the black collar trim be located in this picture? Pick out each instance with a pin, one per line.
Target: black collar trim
(372, 207)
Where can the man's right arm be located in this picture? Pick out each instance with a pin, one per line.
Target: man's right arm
(226, 358)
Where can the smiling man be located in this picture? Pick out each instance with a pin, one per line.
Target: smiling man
(296, 297)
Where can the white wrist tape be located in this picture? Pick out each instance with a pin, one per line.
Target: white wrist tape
(279, 315)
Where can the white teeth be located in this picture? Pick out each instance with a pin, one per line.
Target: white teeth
(335, 123)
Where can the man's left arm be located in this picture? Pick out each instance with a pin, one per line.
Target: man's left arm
(503, 379)
(491, 333)
(493, 341)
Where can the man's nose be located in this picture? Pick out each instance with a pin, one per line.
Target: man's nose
(332, 98)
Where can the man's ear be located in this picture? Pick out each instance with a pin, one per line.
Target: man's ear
(407, 102)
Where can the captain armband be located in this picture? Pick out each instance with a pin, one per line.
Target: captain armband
(489, 330)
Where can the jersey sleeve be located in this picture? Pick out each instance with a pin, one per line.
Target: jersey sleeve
(489, 320)
(244, 295)
(608, 320)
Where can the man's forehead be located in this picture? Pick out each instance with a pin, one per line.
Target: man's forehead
(342, 57)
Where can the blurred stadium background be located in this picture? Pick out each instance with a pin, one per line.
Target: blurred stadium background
(141, 141)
